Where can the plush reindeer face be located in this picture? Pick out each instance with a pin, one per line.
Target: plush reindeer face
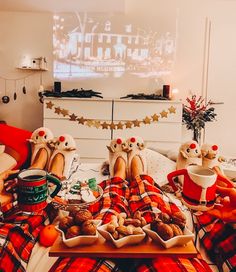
(135, 143)
(117, 145)
(41, 135)
(65, 142)
(209, 151)
(190, 149)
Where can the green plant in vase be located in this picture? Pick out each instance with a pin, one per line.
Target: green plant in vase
(196, 112)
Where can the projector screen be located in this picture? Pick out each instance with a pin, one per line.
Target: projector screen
(99, 45)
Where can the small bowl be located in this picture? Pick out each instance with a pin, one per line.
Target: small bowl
(176, 240)
(81, 239)
(127, 240)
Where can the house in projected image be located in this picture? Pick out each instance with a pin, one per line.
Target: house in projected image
(100, 51)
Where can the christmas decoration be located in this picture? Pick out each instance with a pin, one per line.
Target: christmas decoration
(109, 125)
(196, 113)
(15, 83)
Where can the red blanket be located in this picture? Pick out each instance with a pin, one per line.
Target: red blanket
(18, 235)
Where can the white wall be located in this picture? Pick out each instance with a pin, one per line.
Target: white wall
(31, 33)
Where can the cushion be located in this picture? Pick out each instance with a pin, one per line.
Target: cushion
(7, 162)
(159, 166)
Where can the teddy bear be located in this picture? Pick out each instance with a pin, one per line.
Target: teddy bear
(210, 155)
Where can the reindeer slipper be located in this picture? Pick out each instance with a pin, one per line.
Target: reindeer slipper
(40, 139)
(210, 155)
(136, 147)
(117, 149)
(189, 154)
(66, 147)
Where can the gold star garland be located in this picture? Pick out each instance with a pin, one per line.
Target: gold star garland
(112, 125)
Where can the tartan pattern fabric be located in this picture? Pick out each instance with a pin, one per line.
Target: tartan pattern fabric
(84, 264)
(218, 239)
(18, 235)
(114, 200)
(170, 264)
(11, 207)
(140, 194)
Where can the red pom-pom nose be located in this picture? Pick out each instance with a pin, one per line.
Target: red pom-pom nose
(132, 140)
(118, 141)
(41, 133)
(192, 146)
(61, 138)
(214, 147)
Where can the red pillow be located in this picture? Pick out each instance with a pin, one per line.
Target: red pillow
(16, 139)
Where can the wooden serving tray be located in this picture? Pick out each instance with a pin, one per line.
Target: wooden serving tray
(105, 249)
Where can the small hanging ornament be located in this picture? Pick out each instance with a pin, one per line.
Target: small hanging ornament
(5, 99)
(24, 88)
(15, 95)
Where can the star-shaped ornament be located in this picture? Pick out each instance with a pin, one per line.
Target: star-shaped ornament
(112, 126)
(164, 114)
(81, 120)
(172, 109)
(155, 117)
(64, 112)
(147, 120)
(90, 123)
(104, 125)
(128, 124)
(49, 105)
(136, 123)
(97, 124)
(73, 117)
(57, 110)
(120, 125)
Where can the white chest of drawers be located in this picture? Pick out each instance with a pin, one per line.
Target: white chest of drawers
(92, 141)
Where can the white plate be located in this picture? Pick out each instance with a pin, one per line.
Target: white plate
(127, 240)
(81, 239)
(176, 240)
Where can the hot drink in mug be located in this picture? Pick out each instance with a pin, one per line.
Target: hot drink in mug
(33, 189)
(199, 186)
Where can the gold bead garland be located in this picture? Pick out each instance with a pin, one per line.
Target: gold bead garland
(110, 125)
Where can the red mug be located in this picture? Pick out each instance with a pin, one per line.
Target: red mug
(33, 190)
(199, 186)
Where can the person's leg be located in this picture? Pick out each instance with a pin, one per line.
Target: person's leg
(144, 195)
(57, 166)
(40, 159)
(115, 195)
(120, 168)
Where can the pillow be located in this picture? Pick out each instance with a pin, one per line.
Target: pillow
(172, 154)
(7, 162)
(159, 166)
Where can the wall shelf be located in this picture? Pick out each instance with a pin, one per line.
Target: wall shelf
(31, 69)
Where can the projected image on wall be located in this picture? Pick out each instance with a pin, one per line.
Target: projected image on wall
(92, 46)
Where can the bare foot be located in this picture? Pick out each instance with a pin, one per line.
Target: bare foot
(120, 168)
(136, 168)
(57, 166)
(40, 159)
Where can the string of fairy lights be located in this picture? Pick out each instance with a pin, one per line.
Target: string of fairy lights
(147, 120)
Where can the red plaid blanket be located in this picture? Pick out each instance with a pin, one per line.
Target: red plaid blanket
(18, 234)
(219, 241)
(85, 265)
(162, 264)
